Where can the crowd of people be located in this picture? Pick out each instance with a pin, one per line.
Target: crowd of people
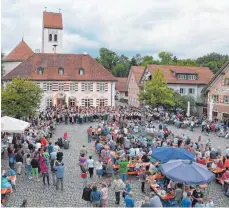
(123, 141)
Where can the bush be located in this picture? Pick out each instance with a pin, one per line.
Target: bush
(123, 100)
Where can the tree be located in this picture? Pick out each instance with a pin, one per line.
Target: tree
(138, 58)
(146, 60)
(181, 101)
(133, 62)
(156, 92)
(2, 62)
(165, 57)
(20, 98)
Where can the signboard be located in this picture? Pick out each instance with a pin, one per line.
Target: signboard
(222, 90)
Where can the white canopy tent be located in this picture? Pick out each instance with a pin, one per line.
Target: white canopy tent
(13, 125)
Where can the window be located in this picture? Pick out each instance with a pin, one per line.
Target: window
(87, 86)
(182, 90)
(81, 71)
(40, 71)
(192, 77)
(49, 86)
(215, 98)
(191, 91)
(60, 71)
(55, 38)
(102, 87)
(181, 76)
(215, 114)
(126, 94)
(226, 99)
(61, 86)
(49, 102)
(72, 102)
(73, 86)
(87, 102)
(102, 102)
(227, 81)
(50, 37)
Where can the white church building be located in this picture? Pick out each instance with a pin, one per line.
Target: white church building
(72, 79)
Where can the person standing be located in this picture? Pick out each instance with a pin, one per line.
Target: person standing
(104, 195)
(99, 169)
(89, 134)
(118, 186)
(59, 174)
(129, 200)
(123, 169)
(95, 197)
(143, 180)
(35, 164)
(19, 162)
(44, 171)
(90, 164)
(87, 194)
(28, 166)
(53, 171)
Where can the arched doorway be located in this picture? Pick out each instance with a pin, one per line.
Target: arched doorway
(60, 99)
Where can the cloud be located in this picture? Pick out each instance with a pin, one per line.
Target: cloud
(188, 28)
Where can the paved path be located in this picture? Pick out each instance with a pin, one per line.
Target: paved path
(46, 196)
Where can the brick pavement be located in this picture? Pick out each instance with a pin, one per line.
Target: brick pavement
(39, 195)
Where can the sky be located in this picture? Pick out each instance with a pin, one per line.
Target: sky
(187, 28)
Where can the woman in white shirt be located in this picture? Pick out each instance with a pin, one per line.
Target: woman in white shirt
(99, 168)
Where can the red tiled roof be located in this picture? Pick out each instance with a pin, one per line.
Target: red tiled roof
(71, 63)
(20, 53)
(204, 73)
(52, 20)
(138, 72)
(121, 84)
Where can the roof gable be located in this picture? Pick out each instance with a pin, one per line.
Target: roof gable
(121, 84)
(20, 53)
(137, 72)
(71, 63)
(52, 20)
(204, 73)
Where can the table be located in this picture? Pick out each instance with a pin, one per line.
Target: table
(217, 170)
(156, 190)
(131, 165)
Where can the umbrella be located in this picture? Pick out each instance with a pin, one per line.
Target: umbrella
(164, 154)
(186, 171)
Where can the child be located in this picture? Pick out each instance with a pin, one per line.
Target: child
(84, 174)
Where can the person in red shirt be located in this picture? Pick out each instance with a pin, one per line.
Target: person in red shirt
(213, 127)
(201, 161)
(220, 164)
(43, 142)
(226, 163)
(89, 134)
(225, 177)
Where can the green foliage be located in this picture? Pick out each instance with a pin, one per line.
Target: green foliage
(156, 92)
(21, 98)
(181, 101)
(120, 65)
(2, 61)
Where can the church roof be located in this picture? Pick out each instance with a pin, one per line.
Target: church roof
(52, 20)
(20, 53)
(51, 63)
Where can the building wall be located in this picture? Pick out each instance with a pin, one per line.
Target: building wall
(9, 66)
(220, 89)
(47, 46)
(186, 87)
(79, 95)
(133, 91)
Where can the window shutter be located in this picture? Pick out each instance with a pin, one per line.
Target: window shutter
(82, 102)
(55, 86)
(91, 102)
(66, 86)
(106, 102)
(82, 86)
(91, 86)
(98, 86)
(45, 86)
(106, 86)
(97, 102)
(76, 86)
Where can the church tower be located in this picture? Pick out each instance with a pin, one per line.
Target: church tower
(52, 32)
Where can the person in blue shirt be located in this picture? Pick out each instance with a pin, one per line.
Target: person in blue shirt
(5, 182)
(187, 202)
(127, 189)
(95, 197)
(129, 200)
(59, 167)
(99, 147)
(50, 148)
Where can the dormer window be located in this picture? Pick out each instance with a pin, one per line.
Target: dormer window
(192, 77)
(81, 71)
(181, 76)
(40, 71)
(61, 71)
